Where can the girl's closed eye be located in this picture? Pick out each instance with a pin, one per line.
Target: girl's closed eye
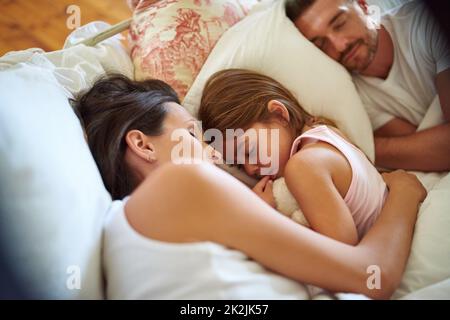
(241, 155)
(251, 155)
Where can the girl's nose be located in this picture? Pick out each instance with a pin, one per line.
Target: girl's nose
(251, 169)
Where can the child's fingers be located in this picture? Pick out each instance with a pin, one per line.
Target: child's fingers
(259, 187)
(269, 187)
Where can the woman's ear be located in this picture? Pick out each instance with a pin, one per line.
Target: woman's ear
(278, 109)
(141, 146)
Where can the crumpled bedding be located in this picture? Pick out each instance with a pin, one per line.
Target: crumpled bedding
(77, 67)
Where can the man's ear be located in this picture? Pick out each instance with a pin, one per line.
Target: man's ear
(278, 109)
(141, 146)
(364, 6)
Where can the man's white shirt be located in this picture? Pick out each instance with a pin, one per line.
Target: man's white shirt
(421, 51)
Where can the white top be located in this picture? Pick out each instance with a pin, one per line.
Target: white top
(137, 267)
(421, 51)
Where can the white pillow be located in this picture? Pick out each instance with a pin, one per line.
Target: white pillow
(266, 41)
(53, 200)
(77, 67)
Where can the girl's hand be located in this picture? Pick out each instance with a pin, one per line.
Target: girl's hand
(407, 183)
(264, 190)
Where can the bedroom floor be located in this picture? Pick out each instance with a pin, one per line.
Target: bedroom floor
(43, 23)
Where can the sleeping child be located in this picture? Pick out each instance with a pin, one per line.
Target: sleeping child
(337, 189)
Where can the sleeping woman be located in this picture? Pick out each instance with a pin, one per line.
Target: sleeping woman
(336, 187)
(192, 231)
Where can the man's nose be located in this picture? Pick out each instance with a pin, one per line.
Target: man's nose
(339, 43)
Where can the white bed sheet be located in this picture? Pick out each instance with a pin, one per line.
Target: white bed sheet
(77, 67)
(437, 291)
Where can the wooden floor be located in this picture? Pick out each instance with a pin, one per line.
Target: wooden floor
(43, 23)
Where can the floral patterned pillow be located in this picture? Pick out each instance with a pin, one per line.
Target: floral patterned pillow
(171, 39)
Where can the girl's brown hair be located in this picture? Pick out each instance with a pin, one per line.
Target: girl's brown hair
(237, 98)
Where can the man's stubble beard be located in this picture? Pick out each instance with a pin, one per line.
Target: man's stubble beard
(372, 47)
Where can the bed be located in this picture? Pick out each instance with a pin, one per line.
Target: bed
(54, 202)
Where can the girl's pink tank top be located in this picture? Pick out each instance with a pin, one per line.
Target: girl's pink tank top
(367, 192)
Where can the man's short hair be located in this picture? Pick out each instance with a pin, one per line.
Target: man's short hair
(294, 8)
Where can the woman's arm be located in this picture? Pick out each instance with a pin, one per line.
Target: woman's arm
(185, 203)
(309, 177)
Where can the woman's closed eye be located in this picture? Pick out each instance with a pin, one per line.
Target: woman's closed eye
(194, 131)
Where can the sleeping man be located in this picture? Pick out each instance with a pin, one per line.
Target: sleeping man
(400, 67)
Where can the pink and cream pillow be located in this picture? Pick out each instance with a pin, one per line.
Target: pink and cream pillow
(171, 39)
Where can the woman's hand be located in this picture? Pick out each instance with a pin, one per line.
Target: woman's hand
(407, 183)
(264, 190)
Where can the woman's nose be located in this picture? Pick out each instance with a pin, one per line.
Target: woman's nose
(212, 154)
(216, 156)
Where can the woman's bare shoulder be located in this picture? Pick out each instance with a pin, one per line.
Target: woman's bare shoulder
(154, 209)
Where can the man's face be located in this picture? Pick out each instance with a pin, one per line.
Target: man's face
(342, 30)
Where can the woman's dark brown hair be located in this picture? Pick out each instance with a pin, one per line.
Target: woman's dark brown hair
(111, 108)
